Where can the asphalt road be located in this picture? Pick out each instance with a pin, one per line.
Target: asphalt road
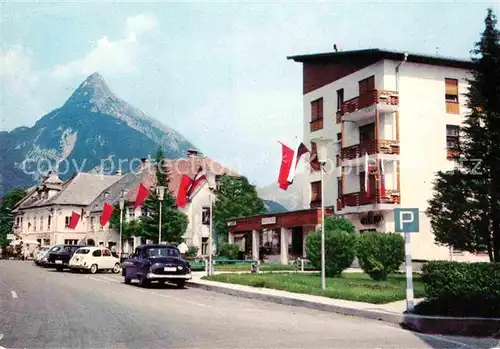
(41, 308)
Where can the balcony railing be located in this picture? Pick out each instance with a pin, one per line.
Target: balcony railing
(316, 124)
(380, 146)
(368, 99)
(361, 198)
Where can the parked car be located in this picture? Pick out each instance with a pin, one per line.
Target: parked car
(60, 258)
(93, 259)
(44, 260)
(40, 254)
(160, 263)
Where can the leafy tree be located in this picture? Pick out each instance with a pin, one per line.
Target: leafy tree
(129, 229)
(6, 217)
(465, 208)
(236, 197)
(174, 222)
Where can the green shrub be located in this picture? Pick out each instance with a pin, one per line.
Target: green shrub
(229, 251)
(192, 251)
(461, 289)
(340, 251)
(338, 223)
(380, 254)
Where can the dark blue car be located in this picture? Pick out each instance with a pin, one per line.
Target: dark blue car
(161, 263)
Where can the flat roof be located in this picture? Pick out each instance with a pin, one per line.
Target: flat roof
(378, 54)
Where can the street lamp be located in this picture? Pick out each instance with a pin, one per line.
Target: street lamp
(211, 187)
(160, 191)
(322, 153)
(122, 206)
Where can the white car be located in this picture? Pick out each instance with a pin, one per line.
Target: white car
(93, 259)
(40, 254)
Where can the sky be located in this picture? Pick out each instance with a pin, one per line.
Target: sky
(215, 71)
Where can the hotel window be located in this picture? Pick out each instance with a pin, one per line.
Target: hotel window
(339, 187)
(317, 115)
(340, 99)
(366, 85)
(41, 223)
(452, 140)
(66, 221)
(205, 216)
(131, 213)
(339, 142)
(49, 220)
(92, 223)
(34, 223)
(451, 96)
(204, 246)
(315, 194)
(70, 242)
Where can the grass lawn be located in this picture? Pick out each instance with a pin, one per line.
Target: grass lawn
(197, 266)
(352, 286)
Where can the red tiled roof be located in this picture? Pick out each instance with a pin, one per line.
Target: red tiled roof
(176, 168)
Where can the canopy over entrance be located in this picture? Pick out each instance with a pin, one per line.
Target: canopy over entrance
(291, 219)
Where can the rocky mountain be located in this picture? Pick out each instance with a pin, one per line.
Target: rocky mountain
(274, 207)
(291, 199)
(93, 131)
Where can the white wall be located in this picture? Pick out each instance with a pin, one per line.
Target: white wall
(57, 232)
(196, 230)
(422, 128)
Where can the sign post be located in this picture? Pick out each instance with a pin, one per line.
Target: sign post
(406, 222)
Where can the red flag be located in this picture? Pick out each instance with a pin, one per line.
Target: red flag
(301, 150)
(73, 222)
(198, 180)
(287, 155)
(182, 195)
(142, 194)
(107, 211)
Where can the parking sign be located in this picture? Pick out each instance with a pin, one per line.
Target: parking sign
(406, 220)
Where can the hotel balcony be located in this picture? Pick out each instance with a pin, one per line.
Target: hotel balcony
(375, 146)
(360, 201)
(364, 106)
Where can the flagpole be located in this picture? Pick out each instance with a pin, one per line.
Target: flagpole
(323, 277)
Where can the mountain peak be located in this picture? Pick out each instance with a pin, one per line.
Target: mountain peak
(92, 90)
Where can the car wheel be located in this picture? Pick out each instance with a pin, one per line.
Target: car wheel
(143, 281)
(128, 281)
(93, 269)
(116, 268)
(180, 283)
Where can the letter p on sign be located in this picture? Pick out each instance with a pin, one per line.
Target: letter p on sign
(406, 220)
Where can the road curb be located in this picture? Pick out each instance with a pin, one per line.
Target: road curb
(477, 327)
(374, 315)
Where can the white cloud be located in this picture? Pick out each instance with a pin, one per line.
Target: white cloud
(111, 57)
(21, 82)
(18, 83)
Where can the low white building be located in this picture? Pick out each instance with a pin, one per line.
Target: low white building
(401, 109)
(43, 216)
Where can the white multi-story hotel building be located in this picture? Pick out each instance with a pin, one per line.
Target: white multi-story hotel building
(402, 109)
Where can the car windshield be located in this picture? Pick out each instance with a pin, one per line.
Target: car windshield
(162, 252)
(82, 251)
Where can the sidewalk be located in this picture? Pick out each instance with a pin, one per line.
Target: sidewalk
(390, 312)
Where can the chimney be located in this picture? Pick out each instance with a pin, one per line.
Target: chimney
(191, 153)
